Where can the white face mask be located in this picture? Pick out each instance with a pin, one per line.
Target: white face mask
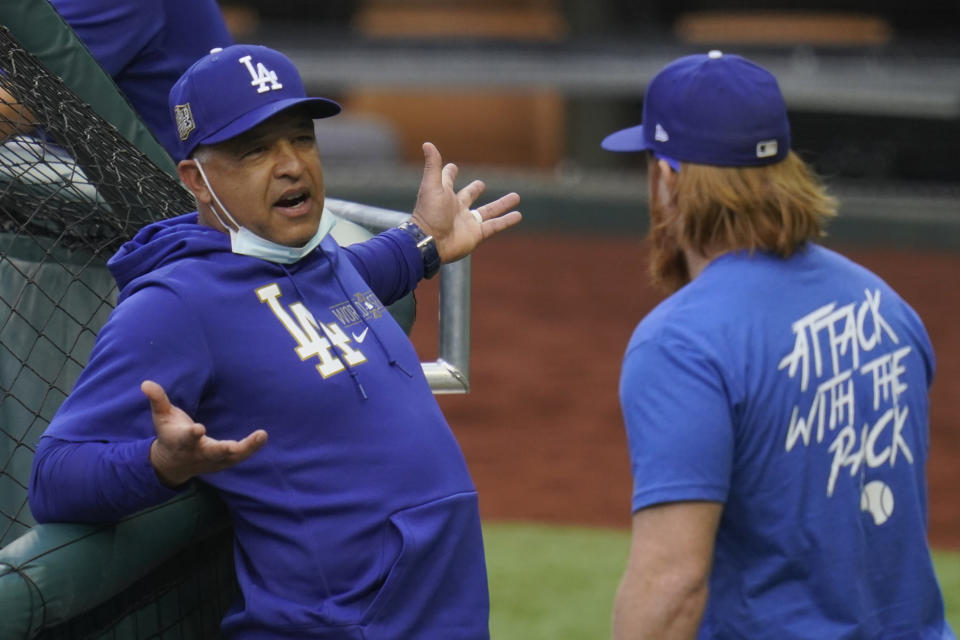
(247, 243)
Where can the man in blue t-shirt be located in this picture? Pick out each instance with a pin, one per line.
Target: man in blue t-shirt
(776, 404)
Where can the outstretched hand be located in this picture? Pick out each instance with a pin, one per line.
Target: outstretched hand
(446, 214)
(182, 449)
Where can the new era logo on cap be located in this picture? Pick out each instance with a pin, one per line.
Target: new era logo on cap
(234, 89)
(660, 134)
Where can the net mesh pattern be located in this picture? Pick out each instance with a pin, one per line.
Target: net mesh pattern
(72, 190)
(184, 599)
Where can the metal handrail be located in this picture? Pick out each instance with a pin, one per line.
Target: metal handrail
(450, 373)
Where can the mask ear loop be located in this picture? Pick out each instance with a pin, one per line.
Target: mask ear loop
(217, 200)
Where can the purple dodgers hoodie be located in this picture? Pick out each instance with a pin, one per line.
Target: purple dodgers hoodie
(358, 518)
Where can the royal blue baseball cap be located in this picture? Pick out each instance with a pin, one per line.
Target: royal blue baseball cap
(233, 89)
(713, 108)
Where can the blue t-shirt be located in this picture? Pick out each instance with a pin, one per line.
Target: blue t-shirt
(795, 393)
(146, 46)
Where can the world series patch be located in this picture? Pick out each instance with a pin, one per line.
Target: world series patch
(184, 118)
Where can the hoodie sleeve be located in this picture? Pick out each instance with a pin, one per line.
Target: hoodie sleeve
(389, 262)
(107, 480)
(92, 463)
(115, 32)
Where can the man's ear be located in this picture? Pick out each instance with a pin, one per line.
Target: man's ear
(190, 177)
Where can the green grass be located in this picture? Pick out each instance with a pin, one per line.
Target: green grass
(558, 583)
(947, 564)
(552, 582)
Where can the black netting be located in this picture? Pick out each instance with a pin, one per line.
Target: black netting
(184, 599)
(72, 189)
(69, 175)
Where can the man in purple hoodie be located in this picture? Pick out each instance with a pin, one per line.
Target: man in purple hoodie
(357, 518)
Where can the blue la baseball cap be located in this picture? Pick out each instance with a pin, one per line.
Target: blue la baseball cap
(715, 109)
(234, 89)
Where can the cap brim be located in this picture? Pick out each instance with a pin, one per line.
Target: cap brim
(315, 107)
(629, 139)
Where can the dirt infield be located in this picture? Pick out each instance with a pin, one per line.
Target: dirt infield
(551, 316)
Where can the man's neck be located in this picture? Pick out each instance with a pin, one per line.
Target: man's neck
(697, 262)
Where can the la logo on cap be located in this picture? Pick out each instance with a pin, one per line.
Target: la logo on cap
(261, 76)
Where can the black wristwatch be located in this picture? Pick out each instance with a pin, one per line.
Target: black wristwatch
(427, 246)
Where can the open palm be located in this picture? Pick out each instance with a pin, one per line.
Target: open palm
(183, 449)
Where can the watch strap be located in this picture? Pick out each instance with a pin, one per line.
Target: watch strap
(427, 246)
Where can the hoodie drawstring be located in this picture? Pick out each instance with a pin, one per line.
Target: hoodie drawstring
(391, 360)
(346, 365)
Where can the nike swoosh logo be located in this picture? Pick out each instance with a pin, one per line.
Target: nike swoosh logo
(362, 336)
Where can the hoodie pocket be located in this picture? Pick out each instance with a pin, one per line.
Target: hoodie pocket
(437, 585)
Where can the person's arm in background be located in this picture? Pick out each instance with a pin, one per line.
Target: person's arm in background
(115, 31)
(14, 116)
(145, 45)
(664, 589)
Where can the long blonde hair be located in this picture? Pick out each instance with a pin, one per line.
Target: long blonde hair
(772, 208)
